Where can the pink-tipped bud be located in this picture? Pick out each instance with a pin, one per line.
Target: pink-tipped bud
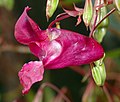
(88, 12)
(51, 7)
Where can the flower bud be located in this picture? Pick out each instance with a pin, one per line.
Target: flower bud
(51, 7)
(88, 12)
(99, 34)
(101, 14)
(97, 3)
(102, 27)
(99, 72)
(58, 25)
(117, 4)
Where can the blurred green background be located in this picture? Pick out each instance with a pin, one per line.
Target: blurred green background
(13, 55)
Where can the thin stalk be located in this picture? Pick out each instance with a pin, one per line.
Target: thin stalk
(89, 88)
(94, 25)
(58, 19)
(107, 94)
(105, 17)
(51, 86)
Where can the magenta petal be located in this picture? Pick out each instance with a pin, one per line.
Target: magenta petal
(71, 48)
(72, 13)
(26, 30)
(77, 12)
(30, 73)
(78, 9)
(37, 50)
(53, 49)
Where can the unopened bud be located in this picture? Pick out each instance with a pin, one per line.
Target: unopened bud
(99, 72)
(58, 25)
(99, 34)
(88, 12)
(117, 4)
(101, 14)
(102, 27)
(51, 7)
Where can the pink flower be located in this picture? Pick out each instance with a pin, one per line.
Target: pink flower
(55, 48)
(31, 73)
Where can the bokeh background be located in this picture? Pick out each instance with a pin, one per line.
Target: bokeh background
(13, 55)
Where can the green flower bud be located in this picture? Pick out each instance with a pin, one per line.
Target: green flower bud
(102, 27)
(99, 72)
(58, 25)
(101, 14)
(100, 61)
(117, 4)
(51, 7)
(99, 34)
(97, 3)
(88, 12)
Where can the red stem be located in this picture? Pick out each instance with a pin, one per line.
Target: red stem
(107, 94)
(57, 20)
(93, 27)
(105, 17)
(40, 91)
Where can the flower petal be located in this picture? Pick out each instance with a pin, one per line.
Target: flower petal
(26, 30)
(30, 73)
(36, 49)
(71, 48)
(72, 13)
(77, 12)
